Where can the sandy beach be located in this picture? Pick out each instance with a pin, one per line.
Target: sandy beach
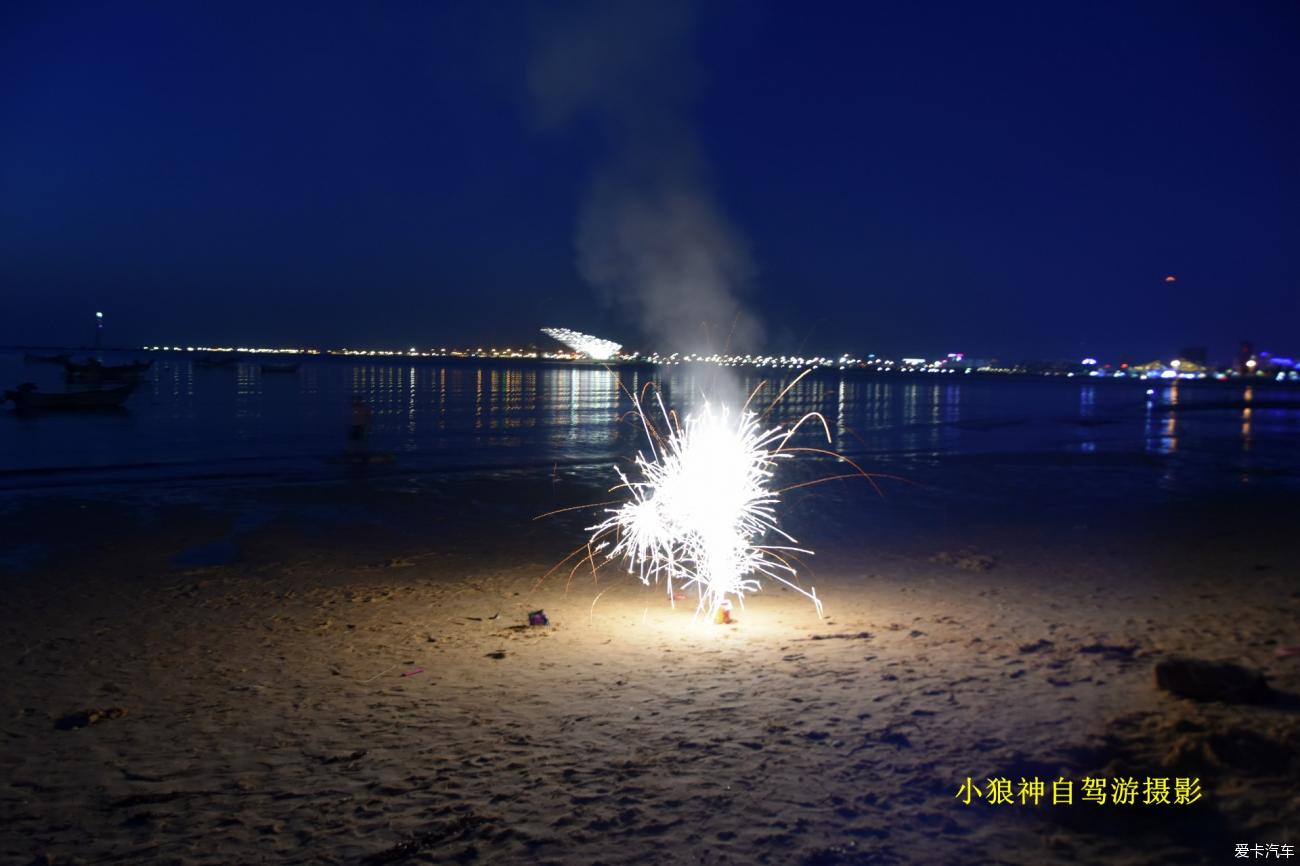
(358, 361)
(360, 695)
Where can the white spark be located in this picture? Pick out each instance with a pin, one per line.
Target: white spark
(702, 506)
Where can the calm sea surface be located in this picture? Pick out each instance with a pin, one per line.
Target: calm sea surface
(188, 426)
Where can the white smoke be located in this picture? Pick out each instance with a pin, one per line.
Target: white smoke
(651, 237)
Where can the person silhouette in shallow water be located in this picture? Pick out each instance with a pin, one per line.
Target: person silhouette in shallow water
(360, 426)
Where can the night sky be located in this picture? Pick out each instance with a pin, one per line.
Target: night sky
(1007, 180)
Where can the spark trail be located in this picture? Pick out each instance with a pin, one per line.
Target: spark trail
(701, 507)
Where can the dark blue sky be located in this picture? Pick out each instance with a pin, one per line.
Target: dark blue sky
(1010, 180)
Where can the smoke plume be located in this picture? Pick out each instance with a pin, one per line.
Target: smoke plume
(651, 237)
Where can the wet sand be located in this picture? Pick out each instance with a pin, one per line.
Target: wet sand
(354, 694)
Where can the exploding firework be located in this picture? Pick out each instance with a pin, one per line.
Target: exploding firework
(584, 344)
(702, 506)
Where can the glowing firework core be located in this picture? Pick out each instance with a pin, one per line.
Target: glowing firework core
(700, 511)
(584, 344)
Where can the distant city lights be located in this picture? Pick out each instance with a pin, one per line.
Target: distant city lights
(1263, 364)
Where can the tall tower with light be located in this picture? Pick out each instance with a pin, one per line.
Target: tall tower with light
(99, 329)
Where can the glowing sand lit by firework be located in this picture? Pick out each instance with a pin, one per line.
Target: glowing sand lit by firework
(584, 344)
(701, 509)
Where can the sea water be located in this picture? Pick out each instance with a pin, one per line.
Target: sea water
(975, 437)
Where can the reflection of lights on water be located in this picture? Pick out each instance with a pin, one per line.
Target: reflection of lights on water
(1087, 409)
(1169, 441)
(1247, 412)
(1162, 437)
(1088, 401)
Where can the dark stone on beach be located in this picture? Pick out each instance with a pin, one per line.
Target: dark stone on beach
(1036, 646)
(1202, 680)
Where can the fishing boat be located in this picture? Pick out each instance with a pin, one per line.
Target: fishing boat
(26, 396)
(279, 368)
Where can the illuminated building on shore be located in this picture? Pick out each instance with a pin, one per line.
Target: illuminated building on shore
(584, 344)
